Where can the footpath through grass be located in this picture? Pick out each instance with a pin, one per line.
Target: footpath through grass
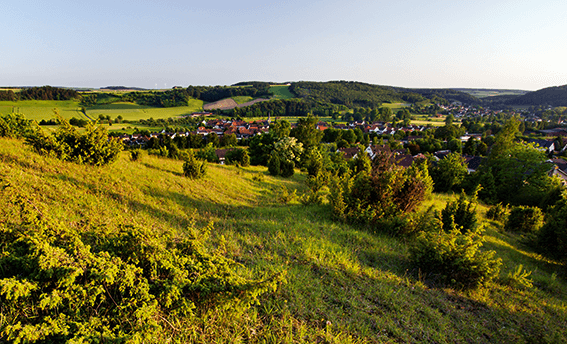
(344, 284)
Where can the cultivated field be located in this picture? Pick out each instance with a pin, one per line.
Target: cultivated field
(43, 109)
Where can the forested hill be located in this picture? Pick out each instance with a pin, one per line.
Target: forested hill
(553, 96)
(348, 93)
(448, 94)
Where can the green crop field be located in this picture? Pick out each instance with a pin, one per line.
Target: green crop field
(281, 92)
(131, 111)
(43, 109)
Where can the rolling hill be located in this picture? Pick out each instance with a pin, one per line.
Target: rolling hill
(344, 284)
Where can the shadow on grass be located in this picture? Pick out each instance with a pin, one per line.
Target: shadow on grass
(157, 168)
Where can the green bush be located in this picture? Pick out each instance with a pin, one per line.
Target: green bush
(459, 214)
(552, 237)
(194, 168)
(238, 156)
(126, 284)
(135, 154)
(454, 259)
(14, 125)
(389, 191)
(93, 147)
(497, 212)
(524, 219)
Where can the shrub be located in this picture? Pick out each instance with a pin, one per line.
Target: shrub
(194, 168)
(388, 192)
(124, 284)
(454, 258)
(519, 278)
(14, 125)
(135, 154)
(238, 156)
(524, 219)
(92, 147)
(552, 237)
(459, 214)
(497, 212)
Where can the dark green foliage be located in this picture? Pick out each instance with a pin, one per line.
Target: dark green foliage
(193, 167)
(524, 219)
(497, 212)
(78, 122)
(276, 108)
(361, 164)
(135, 154)
(459, 214)
(238, 156)
(14, 125)
(312, 161)
(60, 283)
(449, 173)
(260, 148)
(41, 93)
(552, 237)
(306, 132)
(389, 191)
(347, 93)
(92, 147)
(454, 259)
(280, 167)
(208, 153)
(554, 96)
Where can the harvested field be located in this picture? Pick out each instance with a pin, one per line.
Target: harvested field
(229, 103)
(224, 104)
(252, 102)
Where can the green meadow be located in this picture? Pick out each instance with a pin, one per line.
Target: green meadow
(344, 284)
(42, 109)
(281, 92)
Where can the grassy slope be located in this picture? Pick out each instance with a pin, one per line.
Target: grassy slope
(281, 92)
(344, 284)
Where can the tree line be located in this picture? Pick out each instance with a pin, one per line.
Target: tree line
(40, 93)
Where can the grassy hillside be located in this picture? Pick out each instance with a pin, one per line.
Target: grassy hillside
(344, 284)
(281, 92)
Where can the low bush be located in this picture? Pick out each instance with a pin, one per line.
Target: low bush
(454, 258)
(135, 154)
(238, 156)
(459, 214)
(552, 237)
(497, 212)
(524, 219)
(519, 278)
(126, 284)
(193, 167)
(14, 125)
(93, 147)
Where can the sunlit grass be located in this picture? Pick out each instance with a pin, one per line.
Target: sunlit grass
(345, 284)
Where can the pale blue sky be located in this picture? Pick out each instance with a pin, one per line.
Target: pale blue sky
(483, 44)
